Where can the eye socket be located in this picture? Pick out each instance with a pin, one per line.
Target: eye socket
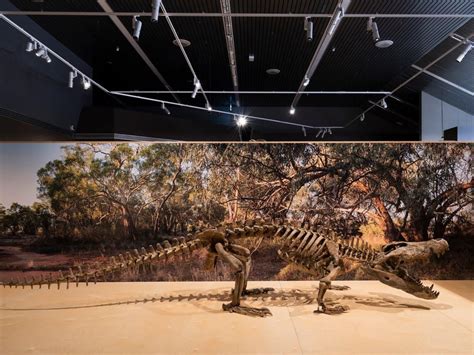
(387, 278)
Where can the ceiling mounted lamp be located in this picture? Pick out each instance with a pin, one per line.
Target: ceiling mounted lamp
(308, 27)
(72, 76)
(466, 50)
(362, 117)
(292, 110)
(241, 121)
(379, 43)
(86, 83)
(304, 130)
(197, 87)
(208, 106)
(137, 27)
(40, 52)
(306, 81)
(30, 46)
(383, 104)
(155, 10)
(164, 108)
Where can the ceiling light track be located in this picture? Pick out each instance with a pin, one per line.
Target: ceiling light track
(227, 92)
(217, 14)
(88, 82)
(258, 118)
(48, 52)
(331, 29)
(229, 38)
(414, 76)
(121, 27)
(197, 83)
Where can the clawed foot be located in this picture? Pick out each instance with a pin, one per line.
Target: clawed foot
(247, 311)
(339, 288)
(257, 291)
(331, 310)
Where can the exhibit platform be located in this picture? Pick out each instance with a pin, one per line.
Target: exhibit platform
(186, 317)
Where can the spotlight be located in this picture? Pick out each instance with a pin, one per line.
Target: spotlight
(155, 10)
(324, 133)
(330, 131)
(197, 86)
(164, 108)
(137, 27)
(30, 46)
(46, 57)
(86, 83)
(308, 26)
(241, 121)
(72, 76)
(304, 130)
(383, 103)
(40, 52)
(372, 27)
(362, 117)
(466, 50)
(306, 81)
(208, 106)
(339, 15)
(319, 132)
(292, 110)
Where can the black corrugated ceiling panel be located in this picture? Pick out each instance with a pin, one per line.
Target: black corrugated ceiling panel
(57, 5)
(276, 43)
(353, 62)
(284, 6)
(412, 6)
(171, 6)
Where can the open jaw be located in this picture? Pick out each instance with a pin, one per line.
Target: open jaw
(389, 269)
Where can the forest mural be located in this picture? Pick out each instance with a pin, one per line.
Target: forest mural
(98, 199)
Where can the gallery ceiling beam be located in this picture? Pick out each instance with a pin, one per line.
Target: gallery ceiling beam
(229, 38)
(217, 14)
(331, 28)
(227, 92)
(413, 77)
(120, 26)
(433, 75)
(258, 118)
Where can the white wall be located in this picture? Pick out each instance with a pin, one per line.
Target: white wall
(437, 116)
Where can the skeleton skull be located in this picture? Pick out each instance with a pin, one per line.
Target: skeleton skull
(388, 266)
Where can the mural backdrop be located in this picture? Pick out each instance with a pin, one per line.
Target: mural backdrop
(96, 200)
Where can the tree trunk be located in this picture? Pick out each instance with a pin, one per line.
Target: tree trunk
(128, 222)
(390, 230)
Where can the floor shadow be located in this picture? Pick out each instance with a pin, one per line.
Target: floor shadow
(278, 298)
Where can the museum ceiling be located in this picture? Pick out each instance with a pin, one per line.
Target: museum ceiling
(273, 33)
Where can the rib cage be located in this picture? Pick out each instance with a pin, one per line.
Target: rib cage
(306, 248)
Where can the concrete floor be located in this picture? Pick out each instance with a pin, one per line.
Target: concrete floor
(186, 317)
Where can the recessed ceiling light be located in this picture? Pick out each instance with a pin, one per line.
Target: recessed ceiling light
(273, 71)
(184, 42)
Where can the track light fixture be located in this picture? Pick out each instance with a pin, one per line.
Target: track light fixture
(308, 27)
(86, 83)
(40, 52)
(466, 50)
(292, 110)
(306, 81)
(241, 120)
(164, 108)
(208, 106)
(30, 46)
(155, 10)
(362, 117)
(197, 87)
(72, 76)
(319, 133)
(304, 130)
(372, 27)
(137, 27)
(337, 19)
(383, 104)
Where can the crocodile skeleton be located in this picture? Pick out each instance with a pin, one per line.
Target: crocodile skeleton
(323, 256)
